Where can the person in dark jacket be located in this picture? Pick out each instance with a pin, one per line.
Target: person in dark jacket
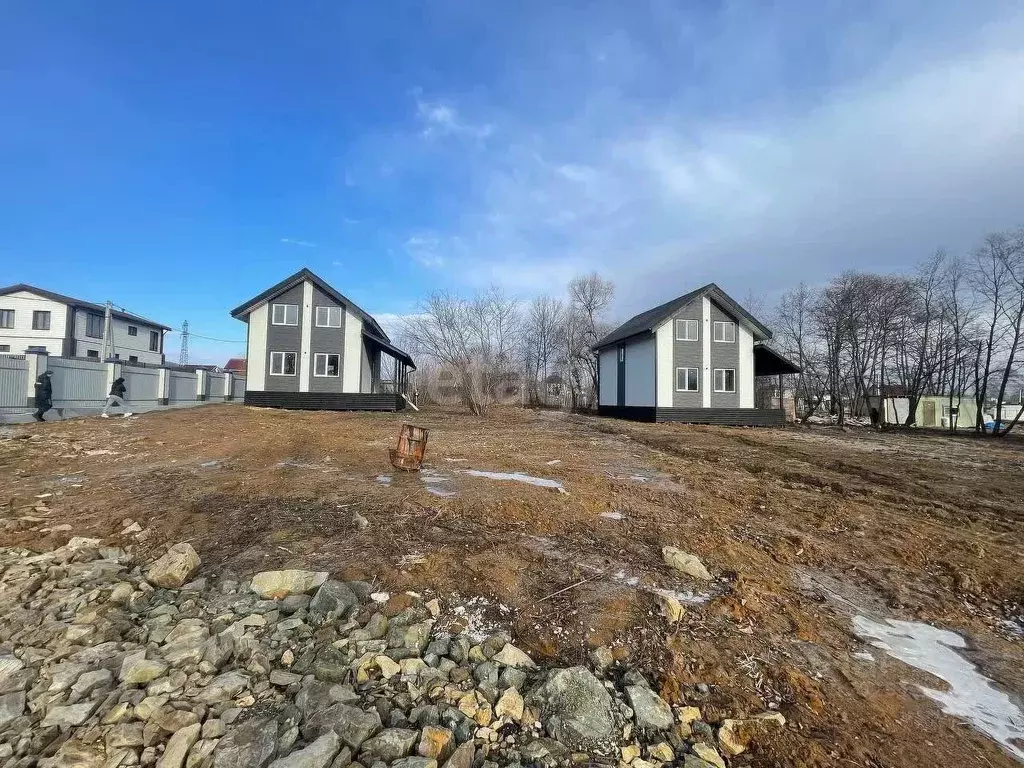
(44, 395)
(118, 392)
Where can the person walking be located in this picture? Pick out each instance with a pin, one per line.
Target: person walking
(44, 395)
(118, 391)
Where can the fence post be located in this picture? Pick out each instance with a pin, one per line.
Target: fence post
(200, 384)
(113, 371)
(229, 381)
(37, 363)
(163, 386)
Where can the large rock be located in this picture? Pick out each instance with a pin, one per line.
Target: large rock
(12, 705)
(685, 563)
(649, 710)
(249, 745)
(175, 568)
(352, 724)
(333, 600)
(734, 736)
(319, 754)
(575, 708)
(276, 585)
(223, 687)
(462, 757)
(75, 714)
(511, 656)
(178, 746)
(136, 669)
(436, 742)
(391, 744)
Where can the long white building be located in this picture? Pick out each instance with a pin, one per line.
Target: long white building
(36, 320)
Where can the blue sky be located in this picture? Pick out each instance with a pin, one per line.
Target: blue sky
(178, 158)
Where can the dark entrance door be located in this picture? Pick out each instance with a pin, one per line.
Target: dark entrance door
(621, 378)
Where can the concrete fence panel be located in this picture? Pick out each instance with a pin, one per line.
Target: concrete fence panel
(182, 387)
(215, 387)
(14, 384)
(78, 383)
(143, 384)
(238, 387)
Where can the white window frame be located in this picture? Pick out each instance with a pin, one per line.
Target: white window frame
(283, 355)
(328, 323)
(686, 324)
(723, 371)
(326, 356)
(723, 324)
(687, 389)
(284, 314)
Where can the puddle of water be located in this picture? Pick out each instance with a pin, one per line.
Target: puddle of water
(518, 477)
(971, 695)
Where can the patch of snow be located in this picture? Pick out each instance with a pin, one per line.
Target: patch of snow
(380, 597)
(384, 479)
(686, 598)
(612, 515)
(863, 656)
(971, 695)
(517, 477)
(441, 492)
(553, 462)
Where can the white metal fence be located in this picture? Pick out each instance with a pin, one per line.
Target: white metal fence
(182, 387)
(143, 384)
(78, 383)
(215, 387)
(14, 383)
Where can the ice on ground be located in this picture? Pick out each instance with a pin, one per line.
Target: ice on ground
(384, 479)
(971, 695)
(441, 492)
(517, 477)
(863, 656)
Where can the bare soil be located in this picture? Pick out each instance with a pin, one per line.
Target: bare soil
(802, 528)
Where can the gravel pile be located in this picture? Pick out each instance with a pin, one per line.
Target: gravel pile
(105, 663)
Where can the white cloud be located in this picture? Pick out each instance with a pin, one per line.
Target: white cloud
(926, 149)
(300, 243)
(443, 119)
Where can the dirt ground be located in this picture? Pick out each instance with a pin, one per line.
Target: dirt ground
(802, 529)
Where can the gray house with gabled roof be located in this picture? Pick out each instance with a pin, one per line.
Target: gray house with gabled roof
(308, 346)
(691, 359)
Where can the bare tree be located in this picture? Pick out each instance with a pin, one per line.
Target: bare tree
(590, 296)
(544, 326)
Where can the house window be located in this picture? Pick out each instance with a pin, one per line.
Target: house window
(92, 353)
(40, 320)
(5, 347)
(154, 341)
(725, 331)
(133, 330)
(284, 314)
(282, 363)
(94, 326)
(686, 330)
(686, 379)
(133, 358)
(6, 318)
(325, 364)
(328, 317)
(725, 380)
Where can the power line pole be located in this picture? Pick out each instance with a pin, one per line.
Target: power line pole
(183, 357)
(108, 333)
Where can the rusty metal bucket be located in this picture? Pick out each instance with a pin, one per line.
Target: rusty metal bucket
(412, 444)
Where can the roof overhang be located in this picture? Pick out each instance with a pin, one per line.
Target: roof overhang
(768, 362)
(391, 349)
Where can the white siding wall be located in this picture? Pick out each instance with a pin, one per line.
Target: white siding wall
(256, 353)
(305, 358)
(706, 381)
(664, 360)
(365, 372)
(608, 370)
(21, 336)
(352, 362)
(745, 374)
(124, 345)
(640, 374)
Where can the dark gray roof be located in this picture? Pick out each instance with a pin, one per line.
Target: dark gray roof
(647, 321)
(89, 305)
(768, 362)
